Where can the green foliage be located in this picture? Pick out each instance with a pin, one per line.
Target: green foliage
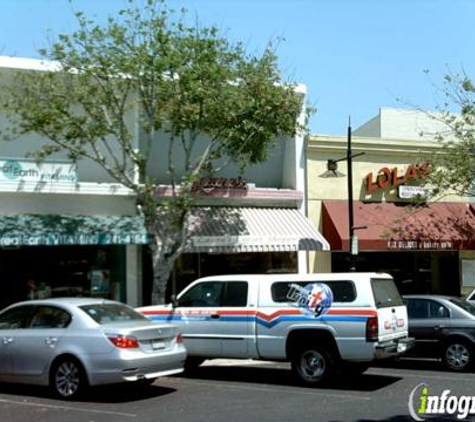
(185, 82)
(455, 165)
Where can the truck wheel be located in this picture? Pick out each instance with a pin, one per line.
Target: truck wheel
(313, 365)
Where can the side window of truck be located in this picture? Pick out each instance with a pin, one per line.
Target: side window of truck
(215, 294)
(343, 290)
(235, 294)
(206, 294)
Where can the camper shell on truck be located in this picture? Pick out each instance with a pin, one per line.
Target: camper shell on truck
(320, 322)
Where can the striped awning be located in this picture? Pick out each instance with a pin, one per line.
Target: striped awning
(243, 229)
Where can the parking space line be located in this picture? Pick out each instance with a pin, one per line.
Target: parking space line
(421, 374)
(277, 390)
(77, 409)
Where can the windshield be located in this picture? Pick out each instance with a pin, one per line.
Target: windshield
(104, 313)
(466, 306)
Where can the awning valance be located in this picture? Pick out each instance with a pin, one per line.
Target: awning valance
(389, 226)
(50, 230)
(210, 229)
(247, 229)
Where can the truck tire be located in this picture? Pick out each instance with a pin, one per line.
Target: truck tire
(313, 365)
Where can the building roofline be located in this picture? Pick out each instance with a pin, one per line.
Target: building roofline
(322, 143)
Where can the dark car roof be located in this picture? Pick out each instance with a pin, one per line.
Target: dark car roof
(428, 296)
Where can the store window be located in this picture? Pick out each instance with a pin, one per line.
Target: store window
(62, 271)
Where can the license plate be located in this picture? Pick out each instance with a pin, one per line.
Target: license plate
(156, 345)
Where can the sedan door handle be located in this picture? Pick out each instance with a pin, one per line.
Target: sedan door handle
(215, 316)
(7, 340)
(51, 341)
(439, 327)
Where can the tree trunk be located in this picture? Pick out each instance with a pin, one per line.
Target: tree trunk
(163, 257)
(167, 227)
(162, 268)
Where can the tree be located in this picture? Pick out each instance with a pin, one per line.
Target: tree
(454, 167)
(191, 89)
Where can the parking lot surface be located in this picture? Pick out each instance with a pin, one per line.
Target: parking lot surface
(233, 391)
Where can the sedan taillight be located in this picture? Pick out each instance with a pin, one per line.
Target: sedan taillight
(124, 342)
(372, 330)
(179, 339)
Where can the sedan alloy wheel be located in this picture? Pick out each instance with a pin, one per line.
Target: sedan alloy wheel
(457, 356)
(68, 379)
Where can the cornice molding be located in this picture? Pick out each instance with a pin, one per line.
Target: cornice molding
(339, 144)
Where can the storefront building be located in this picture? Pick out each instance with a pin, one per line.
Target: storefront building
(69, 229)
(427, 245)
(65, 238)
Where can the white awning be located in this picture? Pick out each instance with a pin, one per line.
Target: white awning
(243, 229)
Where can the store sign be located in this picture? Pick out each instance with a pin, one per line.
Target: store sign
(73, 239)
(208, 184)
(12, 170)
(248, 240)
(419, 245)
(413, 192)
(392, 178)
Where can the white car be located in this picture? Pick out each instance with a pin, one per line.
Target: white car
(71, 343)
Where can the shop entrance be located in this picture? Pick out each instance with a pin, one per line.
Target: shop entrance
(191, 266)
(414, 272)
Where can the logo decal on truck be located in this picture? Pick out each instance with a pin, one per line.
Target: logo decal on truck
(314, 298)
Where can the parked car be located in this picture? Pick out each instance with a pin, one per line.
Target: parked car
(72, 343)
(444, 327)
(321, 323)
(471, 297)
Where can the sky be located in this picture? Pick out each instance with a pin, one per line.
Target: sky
(354, 56)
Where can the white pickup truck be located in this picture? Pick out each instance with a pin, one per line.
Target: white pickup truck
(319, 322)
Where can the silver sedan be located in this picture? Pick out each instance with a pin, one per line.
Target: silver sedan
(70, 343)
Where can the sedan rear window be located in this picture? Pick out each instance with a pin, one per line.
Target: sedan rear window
(105, 313)
(466, 306)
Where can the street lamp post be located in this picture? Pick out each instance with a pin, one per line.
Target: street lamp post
(351, 218)
(332, 171)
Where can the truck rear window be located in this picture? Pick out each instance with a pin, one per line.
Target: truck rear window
(385, 293)
(343, 291)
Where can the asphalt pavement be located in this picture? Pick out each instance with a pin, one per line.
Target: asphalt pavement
(246, 391)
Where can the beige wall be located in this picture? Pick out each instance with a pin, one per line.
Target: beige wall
(378, 153)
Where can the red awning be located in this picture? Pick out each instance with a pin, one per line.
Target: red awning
(438, 226)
